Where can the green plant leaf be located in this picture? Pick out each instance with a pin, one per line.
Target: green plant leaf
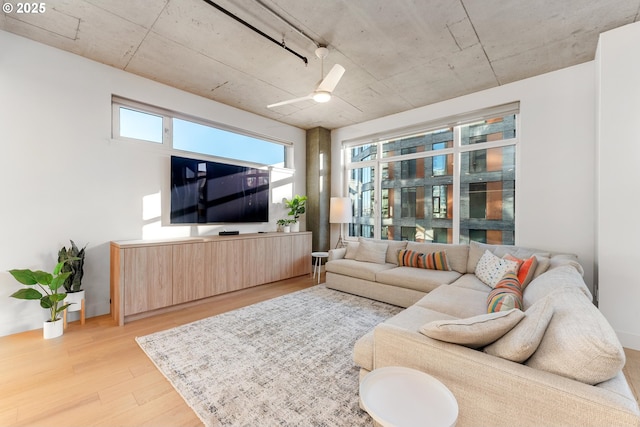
(62, 308)
(45, 302)
(57, 297)
(42, 277)
(27, 293)
(58, 280)
(26, 277)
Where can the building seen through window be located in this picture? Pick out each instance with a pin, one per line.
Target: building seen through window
(449, 185)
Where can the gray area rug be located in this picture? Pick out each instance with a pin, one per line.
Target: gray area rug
(282, 362)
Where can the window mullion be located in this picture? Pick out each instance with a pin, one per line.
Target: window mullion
(457, 144)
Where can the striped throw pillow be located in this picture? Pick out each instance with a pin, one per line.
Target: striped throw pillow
(436, 261)
(407, 258)
(506, 295)
(431, 261)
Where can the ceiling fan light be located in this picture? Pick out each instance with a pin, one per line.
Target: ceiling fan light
(322, 96)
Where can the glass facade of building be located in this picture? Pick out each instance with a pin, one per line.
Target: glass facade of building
(448, 185)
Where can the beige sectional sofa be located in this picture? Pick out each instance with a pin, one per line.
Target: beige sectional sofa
(552, 360)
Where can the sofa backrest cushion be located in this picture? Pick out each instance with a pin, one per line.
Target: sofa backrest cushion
(372, 252)
(456, 254)
(520, 342)
(474, 332)
(554, 279)
(393, 247)
(579, 343)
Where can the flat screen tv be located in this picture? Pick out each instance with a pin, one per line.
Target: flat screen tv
(204, 192)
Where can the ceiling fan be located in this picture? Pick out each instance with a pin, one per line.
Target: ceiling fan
(322, 93)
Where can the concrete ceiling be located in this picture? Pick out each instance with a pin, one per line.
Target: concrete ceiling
(398, 54)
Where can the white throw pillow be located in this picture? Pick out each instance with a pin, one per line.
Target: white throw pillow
(372, 252)
(492, 268)
(476, 331)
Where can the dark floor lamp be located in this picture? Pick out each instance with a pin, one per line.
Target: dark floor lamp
(340, 213)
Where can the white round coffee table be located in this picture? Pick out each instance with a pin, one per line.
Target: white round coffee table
(403, 397)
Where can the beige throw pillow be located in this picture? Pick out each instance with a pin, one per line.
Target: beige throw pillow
(372, 252)
(520, 342)
(474, 332)
(352, 250)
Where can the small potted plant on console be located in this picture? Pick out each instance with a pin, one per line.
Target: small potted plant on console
(297, 206)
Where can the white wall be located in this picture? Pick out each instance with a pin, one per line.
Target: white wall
(618, 72)
(62, 176)
(555, 170)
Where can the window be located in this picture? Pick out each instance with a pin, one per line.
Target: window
(136, 121)
(140, 125)
(452, 184)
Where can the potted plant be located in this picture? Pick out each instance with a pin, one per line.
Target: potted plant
(296, 208)
(49, 295)
(73, 259)
(284, 225)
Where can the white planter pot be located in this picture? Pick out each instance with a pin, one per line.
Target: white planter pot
(286, 228)
(75, 299)
(295, 227)
(52, 329)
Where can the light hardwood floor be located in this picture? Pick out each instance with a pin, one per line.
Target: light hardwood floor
(96, 375)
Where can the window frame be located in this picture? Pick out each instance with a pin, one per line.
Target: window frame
(455, 122)
(118, 102)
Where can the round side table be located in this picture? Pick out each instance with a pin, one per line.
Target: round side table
(317, 264)
(404, 397)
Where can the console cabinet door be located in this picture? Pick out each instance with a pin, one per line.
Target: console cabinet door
(301, 254)
(147, 278)
(188, 272)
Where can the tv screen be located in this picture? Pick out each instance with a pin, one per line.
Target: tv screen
(210, 192)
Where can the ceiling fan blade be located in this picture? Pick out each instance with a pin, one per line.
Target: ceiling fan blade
(291, 101)
(329, 83)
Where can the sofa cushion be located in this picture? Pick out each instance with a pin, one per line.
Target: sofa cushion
(353, 268)
(520, 342)
(372, 252)
(557, 278)
(411, 319)
(419, 279)
(476, 331)
(393, 246)
(579, 343)
(491, 268)
(456, 254)
(456, 301)
(431, 261)
(506, 295)
(471, 281)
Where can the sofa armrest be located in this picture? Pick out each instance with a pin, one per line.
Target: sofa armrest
(494, 391)
(338, 253)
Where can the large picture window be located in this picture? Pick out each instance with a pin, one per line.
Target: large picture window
(452, 184)
(141, 122)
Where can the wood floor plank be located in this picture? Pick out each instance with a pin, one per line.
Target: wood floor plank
(97, 375)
